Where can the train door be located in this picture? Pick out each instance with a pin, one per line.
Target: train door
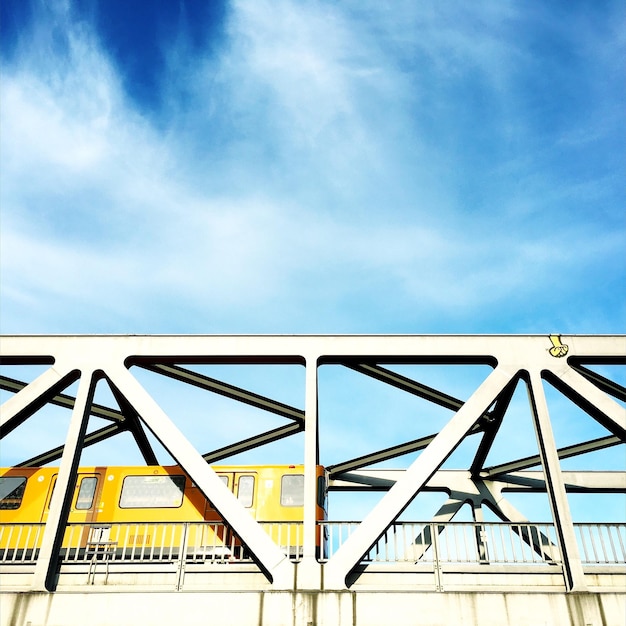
(219, 539)
(215, 536)
(84, 500)
(83, 510)
(243, 485)
(210, 514)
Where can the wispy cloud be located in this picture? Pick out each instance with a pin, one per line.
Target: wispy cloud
(340, 168)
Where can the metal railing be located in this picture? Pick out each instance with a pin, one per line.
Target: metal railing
(602, 544)
(496, 543)
(198, 542)
(20, 543)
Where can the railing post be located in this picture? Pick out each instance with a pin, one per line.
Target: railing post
(436, 557)
(182, 557)
(480, 533)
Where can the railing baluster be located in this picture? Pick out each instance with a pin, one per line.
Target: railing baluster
(18, 542)
(601, 538)
(514, 537)
(579, 530)
(466, 547)
(610, 537)
(593, 546)
(618, 531)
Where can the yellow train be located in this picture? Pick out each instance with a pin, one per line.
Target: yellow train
(147, 508)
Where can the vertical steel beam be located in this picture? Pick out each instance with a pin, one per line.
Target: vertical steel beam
(479, 531)
(311, 458)
(491, 429)
(44, 578)
(309, 569)
(555, 486)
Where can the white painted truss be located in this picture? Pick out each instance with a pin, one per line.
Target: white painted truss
(560, 360)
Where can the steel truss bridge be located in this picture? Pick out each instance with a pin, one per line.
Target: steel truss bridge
(493, 569)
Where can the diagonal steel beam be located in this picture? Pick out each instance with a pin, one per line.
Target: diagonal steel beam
(56, 453)
(266, 553)
(64, 400)
(424, 540)
(492, 427)
(564, 453)
(542, 545)
(211, 457)
(253, 442)
(33, 396)
(407, 384)
(555, 486)
(416, 476)
(607, 385)
(45, 574)
(388, 453)
(123, 423)
(230, 391)
(590, 399)
(133, 425)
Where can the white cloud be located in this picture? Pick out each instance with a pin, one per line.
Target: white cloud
(314, 158)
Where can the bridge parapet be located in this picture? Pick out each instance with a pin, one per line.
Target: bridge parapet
(421, 554)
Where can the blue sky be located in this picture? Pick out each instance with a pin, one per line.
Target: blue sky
(287, 167)
(324, 167)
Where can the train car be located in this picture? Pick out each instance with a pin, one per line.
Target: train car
(148, 508)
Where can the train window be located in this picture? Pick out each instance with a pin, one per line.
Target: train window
(245, 491)
(86, 492)
(292, 490)
(143, 492)
(11, 492)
